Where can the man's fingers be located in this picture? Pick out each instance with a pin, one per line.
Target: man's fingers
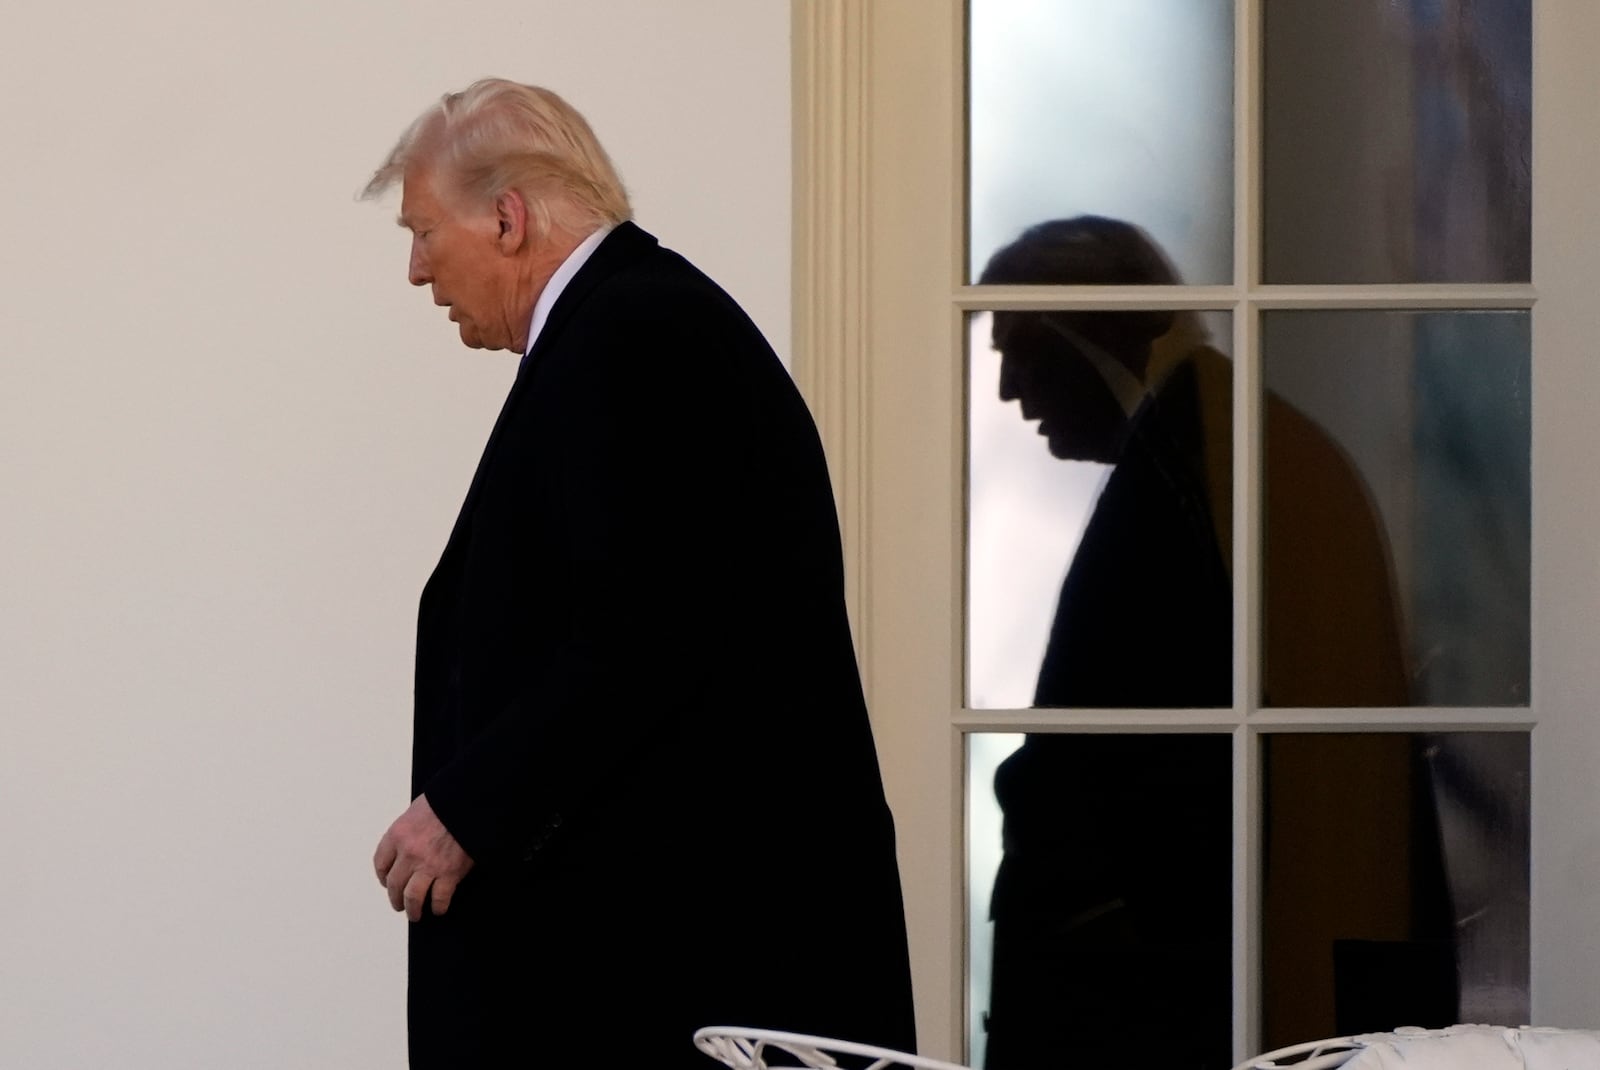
(383, 858)
(415, 894)
(444, 890)
(396, 884)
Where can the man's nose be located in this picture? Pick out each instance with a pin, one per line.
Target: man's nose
(417, 270)
(1008, 379)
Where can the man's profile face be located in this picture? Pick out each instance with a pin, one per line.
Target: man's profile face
(1078, 415)
(455, 249)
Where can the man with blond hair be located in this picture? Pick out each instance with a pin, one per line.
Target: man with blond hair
(645, 795)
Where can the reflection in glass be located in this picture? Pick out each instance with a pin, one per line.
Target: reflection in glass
(1107, 896)
(1417, 567)
(1122, 109)
(1412, 907)
(1123, 488)
(1396, 141)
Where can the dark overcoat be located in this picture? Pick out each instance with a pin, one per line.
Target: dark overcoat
(638, 707)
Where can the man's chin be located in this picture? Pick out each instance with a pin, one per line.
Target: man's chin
(1068, 449)
(473, 340)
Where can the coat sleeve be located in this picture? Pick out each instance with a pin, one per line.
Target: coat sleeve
(646, 472)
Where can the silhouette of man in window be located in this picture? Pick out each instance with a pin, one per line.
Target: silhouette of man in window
(1112, 904)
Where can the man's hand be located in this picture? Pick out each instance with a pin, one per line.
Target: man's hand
(416, 854)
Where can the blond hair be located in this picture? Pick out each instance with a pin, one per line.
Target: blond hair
(497, 135)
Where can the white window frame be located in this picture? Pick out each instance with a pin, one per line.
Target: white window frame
(880, 333)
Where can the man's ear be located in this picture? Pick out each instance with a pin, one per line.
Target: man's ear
(511, 213)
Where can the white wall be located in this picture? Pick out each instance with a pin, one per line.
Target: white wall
(232, 442)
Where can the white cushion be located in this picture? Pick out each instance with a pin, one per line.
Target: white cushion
(1478, 1047)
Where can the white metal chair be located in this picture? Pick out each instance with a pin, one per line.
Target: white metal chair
(1313, 1055)
(746, 1049)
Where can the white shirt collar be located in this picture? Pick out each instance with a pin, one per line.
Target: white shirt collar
(558, 282)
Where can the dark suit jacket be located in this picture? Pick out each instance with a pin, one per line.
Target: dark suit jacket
(1111, 905)
(638, 708)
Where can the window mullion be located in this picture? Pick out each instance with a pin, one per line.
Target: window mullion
(1248, 480)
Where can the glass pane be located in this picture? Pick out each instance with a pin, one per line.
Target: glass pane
(1396, 140)
(1099, 510)
(1100, 875)
(1398, 508)
(1118, 109)
(1395, 882)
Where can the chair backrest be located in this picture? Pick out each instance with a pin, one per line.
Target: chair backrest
(746, 1049)
(1312, 1055)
